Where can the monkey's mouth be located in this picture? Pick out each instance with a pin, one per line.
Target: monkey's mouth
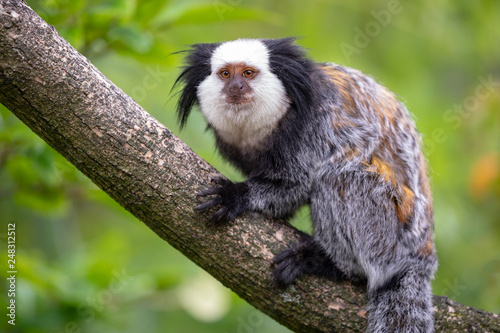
(238, 99)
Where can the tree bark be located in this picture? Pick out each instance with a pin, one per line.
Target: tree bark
(137, 161)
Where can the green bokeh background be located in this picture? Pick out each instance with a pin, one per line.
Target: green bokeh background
(86, 265)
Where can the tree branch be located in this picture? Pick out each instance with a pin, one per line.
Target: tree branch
(136, 160)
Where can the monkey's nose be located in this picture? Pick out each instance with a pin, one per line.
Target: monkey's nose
(236, 87)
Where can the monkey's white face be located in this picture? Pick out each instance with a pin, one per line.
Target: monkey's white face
(241, 98)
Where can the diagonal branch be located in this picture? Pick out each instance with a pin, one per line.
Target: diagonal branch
(137, 161)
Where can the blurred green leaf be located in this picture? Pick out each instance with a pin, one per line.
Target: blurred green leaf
(109, 9)
(213, 13)
(22, 171)
(131, 37)
(147, 10)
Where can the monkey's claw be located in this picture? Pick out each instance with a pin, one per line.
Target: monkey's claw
(305, 258)
(208, 204)
(287, 268)
(231, 197)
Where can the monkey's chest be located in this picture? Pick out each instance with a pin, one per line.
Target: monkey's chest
(247, 137)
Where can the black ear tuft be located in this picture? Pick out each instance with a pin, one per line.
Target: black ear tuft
(195, 70)
(288, 61)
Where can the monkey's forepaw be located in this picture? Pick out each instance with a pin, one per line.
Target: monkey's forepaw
(231, 198)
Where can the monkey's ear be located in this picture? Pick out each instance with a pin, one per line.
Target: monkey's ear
(196, 69)
(288, 61)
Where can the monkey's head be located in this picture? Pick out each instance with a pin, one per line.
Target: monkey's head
(246, 81)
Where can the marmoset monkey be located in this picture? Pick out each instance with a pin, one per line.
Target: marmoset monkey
(331, 137)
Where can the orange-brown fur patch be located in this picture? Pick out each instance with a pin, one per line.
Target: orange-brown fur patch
(383, 169)
(390, 107)
(343, 82)
(351, 153)
(404, 206)
(404, 199)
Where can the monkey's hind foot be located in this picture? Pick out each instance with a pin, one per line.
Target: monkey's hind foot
(305, 258)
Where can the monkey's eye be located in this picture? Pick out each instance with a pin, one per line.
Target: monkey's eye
(248, 73)
(224, 74)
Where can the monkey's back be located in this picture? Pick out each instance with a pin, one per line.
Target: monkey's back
(376, 170)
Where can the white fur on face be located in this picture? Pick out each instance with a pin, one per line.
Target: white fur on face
(247, 125)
